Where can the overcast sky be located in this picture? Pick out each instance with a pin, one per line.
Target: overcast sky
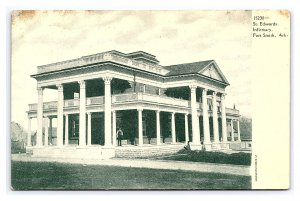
(173, 36)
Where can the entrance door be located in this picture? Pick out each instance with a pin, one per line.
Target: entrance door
(97, 129)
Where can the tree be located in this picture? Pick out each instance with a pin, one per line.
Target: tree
(246, 128)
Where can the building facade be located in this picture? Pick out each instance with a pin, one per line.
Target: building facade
(154, 105)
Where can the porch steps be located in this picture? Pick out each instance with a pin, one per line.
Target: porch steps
(147, 151)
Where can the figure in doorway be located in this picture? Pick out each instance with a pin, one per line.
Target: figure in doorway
(119, 136)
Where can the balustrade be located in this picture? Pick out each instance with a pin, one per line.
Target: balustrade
(71, 103)
(119, 98)
(95, 100)
(100, 58)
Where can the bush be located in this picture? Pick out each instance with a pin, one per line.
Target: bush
(213, 157)
(17, 147)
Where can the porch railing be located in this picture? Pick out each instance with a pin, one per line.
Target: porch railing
(130, 97)
(71, 103)
(232, 111)
(98, 100)
(101, 57)
(149, 98)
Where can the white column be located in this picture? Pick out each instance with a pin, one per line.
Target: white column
(195, 120)
(60, 113)
(107, 111)
(67, 130)
(51, 129)
(82, 113)
(224, 124)
(140, 122)
(215, 118)
(39, 134)
(232, 131)
(186, 127)
(238, 130)
(29, 132)
(173, 127)
(114, 125)
(89, 129)
(46, 122)
(158, 127)
(205, 117)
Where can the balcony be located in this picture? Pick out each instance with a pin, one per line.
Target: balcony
(150, 98)
(102, 57)
(232, 111)
(128, 98)
(116, 99)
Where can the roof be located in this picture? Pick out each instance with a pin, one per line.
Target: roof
(187, 68)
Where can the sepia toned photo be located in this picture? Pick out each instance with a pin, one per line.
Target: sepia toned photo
(140, 100)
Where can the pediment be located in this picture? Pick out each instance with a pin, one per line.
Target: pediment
(213, 71)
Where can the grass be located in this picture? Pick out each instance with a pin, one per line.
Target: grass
(55, 176)
(211, 157)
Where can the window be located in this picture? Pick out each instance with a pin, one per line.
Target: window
(142, 88)
(218, 106)
(157, 91)
(74, 129)
(76, 95)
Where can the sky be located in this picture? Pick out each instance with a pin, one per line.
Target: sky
(43, 37)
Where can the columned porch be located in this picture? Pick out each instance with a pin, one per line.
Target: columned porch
(88, 113)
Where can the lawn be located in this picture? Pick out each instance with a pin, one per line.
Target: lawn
(210, 157)
(55, 176)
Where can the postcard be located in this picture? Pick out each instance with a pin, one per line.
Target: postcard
(150, 100)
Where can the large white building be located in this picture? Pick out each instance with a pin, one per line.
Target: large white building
(159, 108)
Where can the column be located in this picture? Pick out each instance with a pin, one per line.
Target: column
(89, 129)
(82, 114)
(67, 129)
(215, 118)
(114, 131)
(46, 122)
(232, 130)
(39, 134)
(50, 126)
(173, 127)
(29, 132)
(186, 127)
(60, 117)
(195, 121)
(107, 111)
(140, 122)
(224, 126)
(238, 130)
(144, 88)
(158, 127)
(205, 117)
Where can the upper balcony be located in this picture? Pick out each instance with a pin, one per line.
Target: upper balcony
(101, 57)
(120, 100)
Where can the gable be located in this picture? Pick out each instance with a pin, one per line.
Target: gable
(213, 71)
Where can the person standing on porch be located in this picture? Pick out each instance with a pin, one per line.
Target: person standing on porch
(119, 136)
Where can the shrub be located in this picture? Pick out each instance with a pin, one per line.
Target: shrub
(240, 158)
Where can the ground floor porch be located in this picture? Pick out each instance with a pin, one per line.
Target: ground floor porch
(103, 152)
(141, 128)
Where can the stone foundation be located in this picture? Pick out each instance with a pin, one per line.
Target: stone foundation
(208, 146)
(224, 145)
(147, 150)
(96, 152)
